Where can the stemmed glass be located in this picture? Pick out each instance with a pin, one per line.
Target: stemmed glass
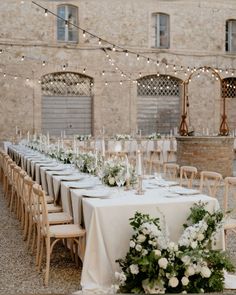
(120, 180)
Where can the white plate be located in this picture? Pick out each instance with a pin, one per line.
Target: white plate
(98, 193)
(183, 191)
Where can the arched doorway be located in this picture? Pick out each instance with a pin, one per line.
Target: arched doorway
(158, 105)
(66, 103)
(229, 92)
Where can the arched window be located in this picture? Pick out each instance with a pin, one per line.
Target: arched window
(229, 88)
(230, 38)
(158, 105)
(160, 30)
(66, 32)
(67, 103)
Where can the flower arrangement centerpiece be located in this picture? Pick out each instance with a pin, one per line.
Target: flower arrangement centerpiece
(67, 156)
(122, 137)
(83, 137)
(114, 172)
(154, 136)
(156, 265)
(88, 162)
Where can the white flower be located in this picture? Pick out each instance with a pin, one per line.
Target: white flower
(194, 244)
(134, 269)
(163, 262)
(138, 248)
(186, 259)
(157, 288)
(205, 272)
(111, 180)
(157, 252)
(173, 282)
(120, 276)
(200, 237)
(141, 238)
(202, 290)
(144, 252)
(184, 281)
(132, 244)
(173, 247)
(184, 292)
(190, 271)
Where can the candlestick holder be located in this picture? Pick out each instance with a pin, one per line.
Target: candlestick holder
(140, 190)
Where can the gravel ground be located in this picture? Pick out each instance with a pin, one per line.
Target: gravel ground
(17, 268)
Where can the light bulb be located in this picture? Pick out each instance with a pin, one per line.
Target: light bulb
(46, 12)
(84, 35)
(113, 48)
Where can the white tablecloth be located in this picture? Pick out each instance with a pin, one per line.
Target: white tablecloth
(107, 220)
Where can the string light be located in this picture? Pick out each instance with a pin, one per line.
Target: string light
(157, 63)
(1, 51)
(126, 53)
(84, 70)
(46, 12)
(4, 75)
(93, 35)
(84, 35)
(113, 48)
(148, 60)
(64, 67)
(66, 23)
(22, 58)
(15, 77)
(44, 63)
(140, 74)
(99, 41)
(121, 83)
(27, 79)
(103, 73)
(106, 83)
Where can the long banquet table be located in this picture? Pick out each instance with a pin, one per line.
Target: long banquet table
(105, 211)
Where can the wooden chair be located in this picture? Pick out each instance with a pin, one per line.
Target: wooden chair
(171, 170)
(210, 181)
(154, 163)
(230, 206)
(51, 234)
(187, 174)
(29, 211)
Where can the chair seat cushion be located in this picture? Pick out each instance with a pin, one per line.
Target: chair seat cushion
(66, 231)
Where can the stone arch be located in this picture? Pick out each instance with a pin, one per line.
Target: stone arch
(67, 103)
(158, 103)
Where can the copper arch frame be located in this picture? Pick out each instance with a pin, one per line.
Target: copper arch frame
(183, 128)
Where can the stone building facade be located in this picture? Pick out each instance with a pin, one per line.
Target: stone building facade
(166, 41)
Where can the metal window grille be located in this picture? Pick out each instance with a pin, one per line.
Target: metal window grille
(154, 85)
(229, 87)
(66, 84)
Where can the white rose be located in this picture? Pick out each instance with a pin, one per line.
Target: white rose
(173, 282)
(184, 281)
(134, 269)
(186, 259)
(172, 246)
(200, 237)
(205, 272)
(194, 244)
(132, 244)
(202, 290)
(144, 252)
(111, 180)
(138, 248)
(190, 271)
(163, 262)
(141, 238)
(157, 252)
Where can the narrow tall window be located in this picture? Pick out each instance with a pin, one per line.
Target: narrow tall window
(161, 24)
(66, 32)
(230, 40)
